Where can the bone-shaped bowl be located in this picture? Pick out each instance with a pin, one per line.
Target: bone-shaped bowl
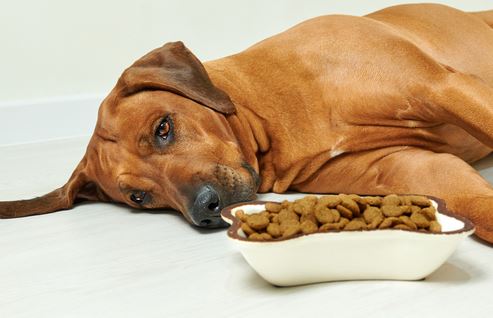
(390, 254)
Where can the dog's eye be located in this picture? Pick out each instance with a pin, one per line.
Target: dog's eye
(164, 129)
(138, 197)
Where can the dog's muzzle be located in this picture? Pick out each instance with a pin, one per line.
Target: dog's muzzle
(212, 197)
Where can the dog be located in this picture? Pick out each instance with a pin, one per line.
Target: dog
(397, 101)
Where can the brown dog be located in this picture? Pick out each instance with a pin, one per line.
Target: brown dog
(394, 102)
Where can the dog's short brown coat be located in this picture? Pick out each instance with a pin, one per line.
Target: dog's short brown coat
(397, 101)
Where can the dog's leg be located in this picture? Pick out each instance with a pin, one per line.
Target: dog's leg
(413, 171)
(465, 101)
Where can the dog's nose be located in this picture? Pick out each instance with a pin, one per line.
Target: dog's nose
(207, 208)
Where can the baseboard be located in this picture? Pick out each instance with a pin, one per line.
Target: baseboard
(48, 119)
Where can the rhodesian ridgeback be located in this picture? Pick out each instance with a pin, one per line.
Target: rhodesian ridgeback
(398, 101)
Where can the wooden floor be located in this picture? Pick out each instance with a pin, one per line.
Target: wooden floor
(104, 260)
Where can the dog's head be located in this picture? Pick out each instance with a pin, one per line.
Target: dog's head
(162, 140)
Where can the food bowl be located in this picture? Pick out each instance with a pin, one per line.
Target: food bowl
(390, 254)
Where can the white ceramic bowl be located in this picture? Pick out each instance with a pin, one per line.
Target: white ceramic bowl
(349, 255)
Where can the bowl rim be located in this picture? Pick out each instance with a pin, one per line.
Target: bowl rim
(226, 213)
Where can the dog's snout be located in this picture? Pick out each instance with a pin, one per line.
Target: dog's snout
(207, 208)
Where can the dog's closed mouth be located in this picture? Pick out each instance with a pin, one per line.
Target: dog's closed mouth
(255, 176)
(213, 222)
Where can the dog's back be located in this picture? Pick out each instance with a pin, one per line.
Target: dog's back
(486, 16)
(463, 41)
(457, 39)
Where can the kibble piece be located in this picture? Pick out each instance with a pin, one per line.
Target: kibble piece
(392, 210)
(389, 222)
(308, 217)
(406, 200)
(415, 209)
(240, 214)
(266, 236)
(324, 215)
(359, 200)
(372, 213)
(406, 209)
(374, 201)
(336, 215)
(256, 237)
(264, 213)
(375, 223)
(435, 227)
(343, 222)
(330, 227)
(247, 229)
(391, 199)
(330, 201)
(345, 212)
(353, 197)
(285, 204)
(310, 206)
(287, 224)
(313, 199)
(356, 224)
(290, 208)
(350, 204)
(402, 227)
(305, 205)
(257, 221)
(407, 221)
(273, 207)
(308, 227)
(275, 218)
(291, 230)
(386, 223)
(429, 213)
(420, 220)
(274, 230)
(420, 201)
(285, 215)
(298, 208)
(299, 205)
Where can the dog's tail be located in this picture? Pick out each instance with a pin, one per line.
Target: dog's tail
(486, 16)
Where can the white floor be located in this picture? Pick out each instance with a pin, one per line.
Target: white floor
(104, 260)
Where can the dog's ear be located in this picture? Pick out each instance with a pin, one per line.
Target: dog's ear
(77, 188)
(174, 68)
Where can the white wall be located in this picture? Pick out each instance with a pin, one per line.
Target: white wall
(58, 48)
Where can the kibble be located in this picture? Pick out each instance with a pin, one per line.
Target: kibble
(273, 207)
(349, 212)
(344, 212)
(274, 229)
(392, 210)
(257, 221)
(308, 227)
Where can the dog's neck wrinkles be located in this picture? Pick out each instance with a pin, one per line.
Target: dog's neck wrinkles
(253, 124)
(246, 123)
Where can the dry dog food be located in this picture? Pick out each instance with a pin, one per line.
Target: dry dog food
(339, 212)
